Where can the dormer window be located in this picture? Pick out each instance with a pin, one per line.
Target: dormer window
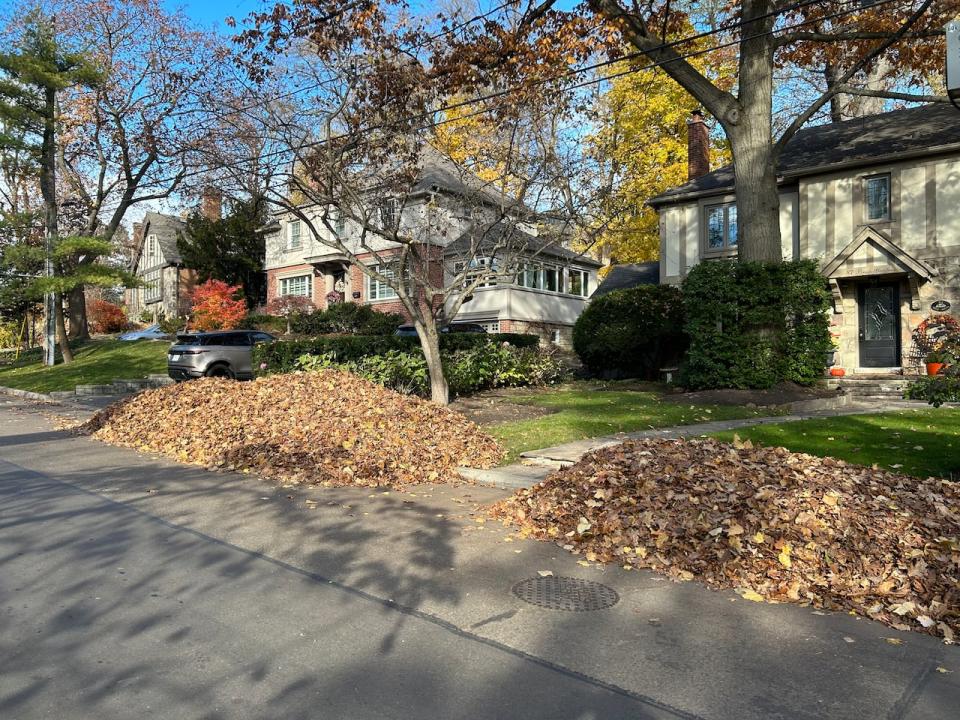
(876, 191)
(294, 239)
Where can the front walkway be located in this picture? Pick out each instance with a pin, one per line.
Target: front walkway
(536, 465)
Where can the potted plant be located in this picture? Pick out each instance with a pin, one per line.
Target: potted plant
(831, 354)
(936, 359)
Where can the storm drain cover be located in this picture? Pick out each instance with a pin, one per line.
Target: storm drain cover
(566, 593)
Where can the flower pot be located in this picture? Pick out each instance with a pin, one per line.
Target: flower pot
(934, 368)
(837, 372)
(831, 358)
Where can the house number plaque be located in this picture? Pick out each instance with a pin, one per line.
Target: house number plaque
(939, 306)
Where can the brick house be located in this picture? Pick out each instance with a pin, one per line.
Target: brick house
(876, 200)
(545, 297)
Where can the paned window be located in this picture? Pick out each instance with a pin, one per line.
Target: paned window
(877, 191)
(297, 285)
(377, 290)
(721, 227)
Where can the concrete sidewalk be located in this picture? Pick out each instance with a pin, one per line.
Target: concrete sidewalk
(430, 573)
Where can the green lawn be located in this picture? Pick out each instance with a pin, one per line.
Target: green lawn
(919, 442)
(96, 362)
(592, 409)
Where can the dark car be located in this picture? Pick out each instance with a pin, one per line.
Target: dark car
(225, 353)
(411, 331)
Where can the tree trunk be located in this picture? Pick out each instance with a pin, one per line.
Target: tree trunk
(62, 339)
(430, 342)
(750, 131)
(77, 312)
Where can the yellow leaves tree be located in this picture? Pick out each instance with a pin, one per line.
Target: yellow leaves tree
(642, 139)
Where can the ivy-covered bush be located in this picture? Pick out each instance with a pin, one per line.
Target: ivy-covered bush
(346, 318)
(486, 365)
(282, 355)
(632, 332)
(937, 389)
(752, 325)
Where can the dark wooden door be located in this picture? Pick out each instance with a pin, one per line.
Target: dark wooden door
(880, 325)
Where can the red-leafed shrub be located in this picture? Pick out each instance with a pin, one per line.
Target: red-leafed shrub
(287, 305)
(217, 306)
(105, 317)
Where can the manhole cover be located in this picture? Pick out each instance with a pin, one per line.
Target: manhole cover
(566, 593)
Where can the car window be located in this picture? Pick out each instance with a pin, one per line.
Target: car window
(262, 337)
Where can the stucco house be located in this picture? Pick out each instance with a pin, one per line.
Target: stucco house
(876, 200)
(448, 211)
(166, 283)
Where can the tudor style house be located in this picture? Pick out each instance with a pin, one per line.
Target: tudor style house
(545, 297)
(875, 200)
(166, 283)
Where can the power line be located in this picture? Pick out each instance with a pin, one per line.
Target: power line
(569, 73)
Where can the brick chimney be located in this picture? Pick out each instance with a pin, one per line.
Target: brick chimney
(211, 203)
(698, 146)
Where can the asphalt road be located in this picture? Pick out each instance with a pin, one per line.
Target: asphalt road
(134, 587)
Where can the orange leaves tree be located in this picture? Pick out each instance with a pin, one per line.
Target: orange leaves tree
(217, 306)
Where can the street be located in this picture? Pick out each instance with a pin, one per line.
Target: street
(131, 586)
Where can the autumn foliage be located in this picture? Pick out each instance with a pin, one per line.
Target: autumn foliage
(327, 427)
(105, 317)
(217, 306)
(770, 523)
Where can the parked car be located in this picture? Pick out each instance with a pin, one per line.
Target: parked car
(152, 332)
(411, 331)
(225, 353)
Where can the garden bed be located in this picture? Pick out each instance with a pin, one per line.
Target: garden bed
(769, 523)
(327, 427)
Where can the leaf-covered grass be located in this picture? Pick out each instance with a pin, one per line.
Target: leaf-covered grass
(590, 409)
(915, 442)
(96, 362)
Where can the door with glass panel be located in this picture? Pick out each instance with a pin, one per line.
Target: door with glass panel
(880, 325)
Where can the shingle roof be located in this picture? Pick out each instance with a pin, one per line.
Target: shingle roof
(166, 228)
(521, 242)
(928, 129)
(622, 277)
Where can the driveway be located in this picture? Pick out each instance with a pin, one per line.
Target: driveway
(131, 586)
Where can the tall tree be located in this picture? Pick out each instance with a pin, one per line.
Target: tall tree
(230, 249)
(33, 75)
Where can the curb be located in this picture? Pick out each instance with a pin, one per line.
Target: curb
(28, 395)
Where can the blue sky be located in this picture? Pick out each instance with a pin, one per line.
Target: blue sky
(211, 13)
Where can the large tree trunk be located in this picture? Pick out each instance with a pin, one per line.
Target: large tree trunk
(430, 342)
(62, 338)
(750, 131)
(77, 312)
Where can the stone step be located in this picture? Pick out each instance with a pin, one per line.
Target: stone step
(96, 390)
(62, 394)
(133, 385)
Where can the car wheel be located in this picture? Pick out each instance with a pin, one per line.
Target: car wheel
(221, 371)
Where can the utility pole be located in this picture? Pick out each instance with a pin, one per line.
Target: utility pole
(48, 187)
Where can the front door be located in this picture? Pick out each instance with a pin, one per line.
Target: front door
(880, 325)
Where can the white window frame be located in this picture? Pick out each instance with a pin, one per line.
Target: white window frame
(866, 197)
(584, 276)
(378, 291)
(284, 286)
(294, 240)
(485, 265)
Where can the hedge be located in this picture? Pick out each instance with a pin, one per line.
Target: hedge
(753, 325)
(632, 332)
(352, 318)
(281, 355)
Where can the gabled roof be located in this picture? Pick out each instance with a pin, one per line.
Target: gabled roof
(167, 228)
(914, 132)
(622, 277)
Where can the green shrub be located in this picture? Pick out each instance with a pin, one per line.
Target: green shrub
(171, 326)
(631, 333)
(937, 389)
(346, 318)
(267, 323)
(752, 325)
(485, 365)
(282, 355)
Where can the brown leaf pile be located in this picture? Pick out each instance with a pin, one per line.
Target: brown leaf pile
(771, 523)
(326, 427)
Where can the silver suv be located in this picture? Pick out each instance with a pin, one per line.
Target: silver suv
(214, 354)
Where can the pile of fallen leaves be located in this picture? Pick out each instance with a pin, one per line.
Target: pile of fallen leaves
(770, 523)
(326, 427)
